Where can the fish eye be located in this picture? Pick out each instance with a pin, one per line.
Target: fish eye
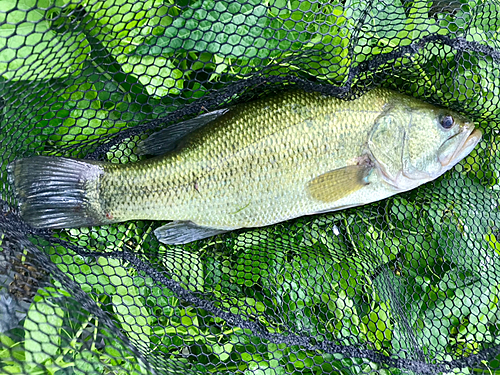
(447, 121)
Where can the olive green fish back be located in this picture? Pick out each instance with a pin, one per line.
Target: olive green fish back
(407, 285)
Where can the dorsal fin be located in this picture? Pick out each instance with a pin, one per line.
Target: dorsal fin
(167, 139)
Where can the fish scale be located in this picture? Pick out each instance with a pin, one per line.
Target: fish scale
(293, 154)
(208, 156)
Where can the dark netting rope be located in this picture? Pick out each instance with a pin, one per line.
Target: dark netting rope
(387, 288)
(345, 91)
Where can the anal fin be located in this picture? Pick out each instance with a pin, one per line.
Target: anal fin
(182, 232)
(338, 183)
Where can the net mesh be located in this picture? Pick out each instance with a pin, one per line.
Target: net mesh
(408, 285)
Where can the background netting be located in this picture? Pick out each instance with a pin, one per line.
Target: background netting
(409, 285)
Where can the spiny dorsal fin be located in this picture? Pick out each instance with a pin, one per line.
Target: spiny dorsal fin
(334, 185)
(167, 139)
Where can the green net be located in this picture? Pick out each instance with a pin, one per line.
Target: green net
(406, 285)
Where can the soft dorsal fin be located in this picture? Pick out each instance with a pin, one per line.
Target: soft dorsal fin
(338, 183)
(167, 139)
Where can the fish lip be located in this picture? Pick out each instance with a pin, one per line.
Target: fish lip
(464, 149)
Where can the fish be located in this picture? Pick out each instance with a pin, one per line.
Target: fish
(254, 164)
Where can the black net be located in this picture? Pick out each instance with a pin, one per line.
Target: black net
(406, 285)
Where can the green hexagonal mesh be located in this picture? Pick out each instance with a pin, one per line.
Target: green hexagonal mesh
(407, 285)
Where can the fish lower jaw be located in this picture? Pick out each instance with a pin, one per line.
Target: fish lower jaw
(402, 182)
(464, 149)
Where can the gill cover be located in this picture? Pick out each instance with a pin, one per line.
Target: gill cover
(386, 142)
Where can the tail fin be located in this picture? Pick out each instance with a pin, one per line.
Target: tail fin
(57, 192)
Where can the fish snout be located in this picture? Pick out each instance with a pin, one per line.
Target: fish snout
(448, 158)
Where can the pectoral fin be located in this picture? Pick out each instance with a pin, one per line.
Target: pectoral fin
(181, 232)
(334, 185)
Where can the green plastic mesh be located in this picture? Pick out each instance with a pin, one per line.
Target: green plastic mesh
(408, 285)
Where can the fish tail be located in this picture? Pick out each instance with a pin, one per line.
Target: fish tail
(56, 192)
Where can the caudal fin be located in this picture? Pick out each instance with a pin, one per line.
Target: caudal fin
(57, 192)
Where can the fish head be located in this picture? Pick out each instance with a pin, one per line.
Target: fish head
(413, 142)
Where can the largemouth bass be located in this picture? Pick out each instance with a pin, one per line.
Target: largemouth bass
(255, 164)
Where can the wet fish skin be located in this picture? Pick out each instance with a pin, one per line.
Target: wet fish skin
(293, 154)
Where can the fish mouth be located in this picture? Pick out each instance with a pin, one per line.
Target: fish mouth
(409, 179)
(463, 149)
